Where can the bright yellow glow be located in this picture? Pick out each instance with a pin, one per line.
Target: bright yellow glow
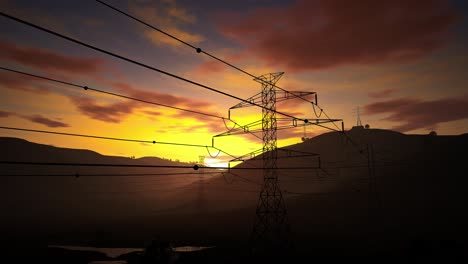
(215, 162)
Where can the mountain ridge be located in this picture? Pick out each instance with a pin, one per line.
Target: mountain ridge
(419, 194)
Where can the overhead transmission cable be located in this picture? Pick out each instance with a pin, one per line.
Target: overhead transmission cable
(198, 50)
(194, 167)
(104, 174)
(109, 93)
(145, 66)
(119, 139)
(107, 138)
(122, 96)
(122, 139)
(141, 64)
(130, 140)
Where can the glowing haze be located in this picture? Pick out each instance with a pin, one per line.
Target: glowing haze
(404, 63)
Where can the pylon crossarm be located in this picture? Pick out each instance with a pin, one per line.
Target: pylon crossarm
(280, 96)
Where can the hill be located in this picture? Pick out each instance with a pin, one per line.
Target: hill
(419, 195)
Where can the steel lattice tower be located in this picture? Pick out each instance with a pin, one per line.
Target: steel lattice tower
(270, 236)
(271, 227)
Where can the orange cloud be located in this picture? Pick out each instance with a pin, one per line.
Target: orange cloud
(113, 113)
(210, 67)
(382, 93)
(116, 112)
(5, 114)
(45, 121)
(162, 98)
(158, 38)
(39, 119)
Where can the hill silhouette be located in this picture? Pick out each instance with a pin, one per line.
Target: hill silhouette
(417, 203)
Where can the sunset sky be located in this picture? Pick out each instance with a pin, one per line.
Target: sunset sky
(404, 63)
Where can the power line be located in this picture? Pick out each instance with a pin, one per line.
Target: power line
(139, 63)
(245, 179)
(321, 110)
(104, 174)
(100, 137)
(119, 139)
(122, 96)
(388, 164)
(116, 139)
(194, 167)
(198, 50)
(109, 93)
(342, 132)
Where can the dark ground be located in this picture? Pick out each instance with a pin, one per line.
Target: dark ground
(326, 250)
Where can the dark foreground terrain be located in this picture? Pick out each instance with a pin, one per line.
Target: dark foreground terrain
(323, 251)
(415, 212)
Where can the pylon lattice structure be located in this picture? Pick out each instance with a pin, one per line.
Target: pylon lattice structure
(271, 227)
(270, 235)
(358, 113)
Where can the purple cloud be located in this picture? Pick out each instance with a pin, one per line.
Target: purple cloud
(44, 121)
(416, 114)
(315, 35)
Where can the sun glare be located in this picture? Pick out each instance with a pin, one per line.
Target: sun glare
(215, 162)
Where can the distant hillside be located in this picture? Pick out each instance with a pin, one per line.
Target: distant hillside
(20, 149)
(59, 201)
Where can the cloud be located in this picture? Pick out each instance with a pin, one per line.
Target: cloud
(117, 112)
(44, 121)
(382, 93)
(162, 98)
(39, 119)
(44, 59)
(297, 133)
(209, 67)
(180, 14)
(153, 113)
(112, 113)
(314, 35)
(5, 114)
(413, 113)
(389, 106)
(15, 81)
(158, 38)
(168, 16)
(294, 106)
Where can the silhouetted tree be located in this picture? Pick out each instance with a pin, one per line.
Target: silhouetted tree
(367, 126)
(433, 133)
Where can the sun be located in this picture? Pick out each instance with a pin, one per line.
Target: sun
(215, 162)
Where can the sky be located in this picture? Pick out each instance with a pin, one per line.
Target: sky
(403, 63)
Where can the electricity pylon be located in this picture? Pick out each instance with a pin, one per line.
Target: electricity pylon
(270, 231)
(270, 234)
